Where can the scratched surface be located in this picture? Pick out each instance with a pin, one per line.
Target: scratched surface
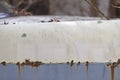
(93, 71)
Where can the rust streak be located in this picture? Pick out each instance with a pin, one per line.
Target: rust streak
(28, 63)
(19, 70)
(112, 72)
(87, 63)
(112, 67)
(71, 63)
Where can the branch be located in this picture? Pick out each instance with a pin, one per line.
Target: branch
(100, 13)
(30, 4)
(19, 3)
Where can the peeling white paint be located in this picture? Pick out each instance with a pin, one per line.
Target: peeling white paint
(57, 42)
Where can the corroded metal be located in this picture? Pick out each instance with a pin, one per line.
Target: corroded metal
(29, 63)
(79, 50)
(112, 67)
(62, 71)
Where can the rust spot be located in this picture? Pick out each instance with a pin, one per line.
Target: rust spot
(71, 63)
(67, 62)
(108, 64)
(22, 64)
(87, 64)
(118, 62)
(78, 63)
(27, 62)
(114, 64)
(36, 64)
(3, 63)
(30, 63)
(18, 63)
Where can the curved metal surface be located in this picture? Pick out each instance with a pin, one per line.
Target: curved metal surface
(54, 51)
(59, 42)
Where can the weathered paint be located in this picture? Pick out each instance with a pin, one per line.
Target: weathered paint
(88, 70)
(112, 67)
(60, 50)
(59, 42)
(61, 71)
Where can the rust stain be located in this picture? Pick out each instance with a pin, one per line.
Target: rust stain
(108, 64)
(112, 71)
(112, 68)
(19, 70)
(78, 63)
(30, 63)
(87, 64)
(36, 64)
(71, 63)
(118, 62)
(3, 63)
(68, 63)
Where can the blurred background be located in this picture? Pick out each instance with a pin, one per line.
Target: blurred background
(110, 8)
